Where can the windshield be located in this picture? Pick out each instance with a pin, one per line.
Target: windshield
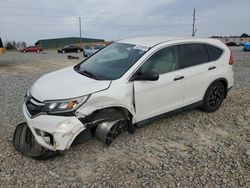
(111, 62)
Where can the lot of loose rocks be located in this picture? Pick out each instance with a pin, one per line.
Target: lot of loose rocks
(191, 149)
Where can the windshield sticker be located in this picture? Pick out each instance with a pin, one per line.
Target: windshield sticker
(143, 48)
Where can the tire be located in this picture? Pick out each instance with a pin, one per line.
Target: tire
(108, 131)
(112, 115)
(214, 97)
(24, 142)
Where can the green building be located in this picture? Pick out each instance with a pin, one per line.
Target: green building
(61, 42)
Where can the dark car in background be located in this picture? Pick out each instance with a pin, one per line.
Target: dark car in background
(70, 49)
(32, 49)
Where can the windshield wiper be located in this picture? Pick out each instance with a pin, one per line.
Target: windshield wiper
(89, 74)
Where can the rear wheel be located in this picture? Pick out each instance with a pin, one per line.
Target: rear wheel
(214, 97)
(24, 142)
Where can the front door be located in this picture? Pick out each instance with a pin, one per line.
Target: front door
(153, 98)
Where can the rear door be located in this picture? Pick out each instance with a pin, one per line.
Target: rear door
(153, 98)
(198, 71)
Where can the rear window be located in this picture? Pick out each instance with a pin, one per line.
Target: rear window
(193, 54)
(214, 53)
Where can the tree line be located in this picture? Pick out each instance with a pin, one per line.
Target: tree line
(13, 45)
(243, 35)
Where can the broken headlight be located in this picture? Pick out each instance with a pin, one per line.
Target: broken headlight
(64, 106)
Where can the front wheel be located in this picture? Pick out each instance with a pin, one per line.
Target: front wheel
(24, 142)
(214, 97)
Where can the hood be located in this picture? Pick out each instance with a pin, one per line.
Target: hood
(64, 84)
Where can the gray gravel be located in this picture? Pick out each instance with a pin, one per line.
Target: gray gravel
(192, 149)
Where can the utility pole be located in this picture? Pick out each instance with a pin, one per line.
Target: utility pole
(194, 29)
(80, 30)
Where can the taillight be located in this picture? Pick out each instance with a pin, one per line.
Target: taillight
(231, 60)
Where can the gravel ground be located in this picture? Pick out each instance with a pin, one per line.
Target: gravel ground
(192, 149)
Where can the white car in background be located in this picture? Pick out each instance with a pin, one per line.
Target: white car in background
(88, 51)
(125, 85)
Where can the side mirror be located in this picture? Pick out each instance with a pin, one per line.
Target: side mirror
(146, 76)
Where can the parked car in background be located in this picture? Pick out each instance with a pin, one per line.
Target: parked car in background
(231, 44)
(240, 44)
(88, 51)
(32, 49)
(246, 46)
(2, 49)
(70, 49)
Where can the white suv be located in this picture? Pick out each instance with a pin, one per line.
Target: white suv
(124, 85)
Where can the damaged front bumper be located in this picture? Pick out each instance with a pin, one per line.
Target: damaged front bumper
(54, 132)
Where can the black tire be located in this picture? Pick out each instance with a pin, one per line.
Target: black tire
(24, 142)
(108, 131)
(109, 115)
(214, 97)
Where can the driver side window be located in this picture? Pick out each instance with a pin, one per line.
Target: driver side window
(163, 61)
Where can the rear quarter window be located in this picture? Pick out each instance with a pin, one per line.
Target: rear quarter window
(193, 54)
(214, 53)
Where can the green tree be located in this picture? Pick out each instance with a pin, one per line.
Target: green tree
(244, 35)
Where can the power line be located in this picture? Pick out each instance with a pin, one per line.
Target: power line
(30, 8)
(223, 19)
(38, 24)
(224, 22)
(100, 25)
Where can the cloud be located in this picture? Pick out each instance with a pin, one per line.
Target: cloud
(115, 19)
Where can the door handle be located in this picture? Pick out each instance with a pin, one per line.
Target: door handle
(178, 78)
(211, 68)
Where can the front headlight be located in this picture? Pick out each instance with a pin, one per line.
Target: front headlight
(64, 106)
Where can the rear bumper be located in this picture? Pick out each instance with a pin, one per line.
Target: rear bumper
(54, 132)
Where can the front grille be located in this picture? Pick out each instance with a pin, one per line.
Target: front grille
(34, 106)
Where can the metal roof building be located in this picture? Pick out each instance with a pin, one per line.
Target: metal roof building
(61, 42)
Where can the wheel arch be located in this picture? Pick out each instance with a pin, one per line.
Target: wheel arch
(119, 109)
(223, 81)
(95, 118)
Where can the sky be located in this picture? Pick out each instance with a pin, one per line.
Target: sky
(30, 21)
